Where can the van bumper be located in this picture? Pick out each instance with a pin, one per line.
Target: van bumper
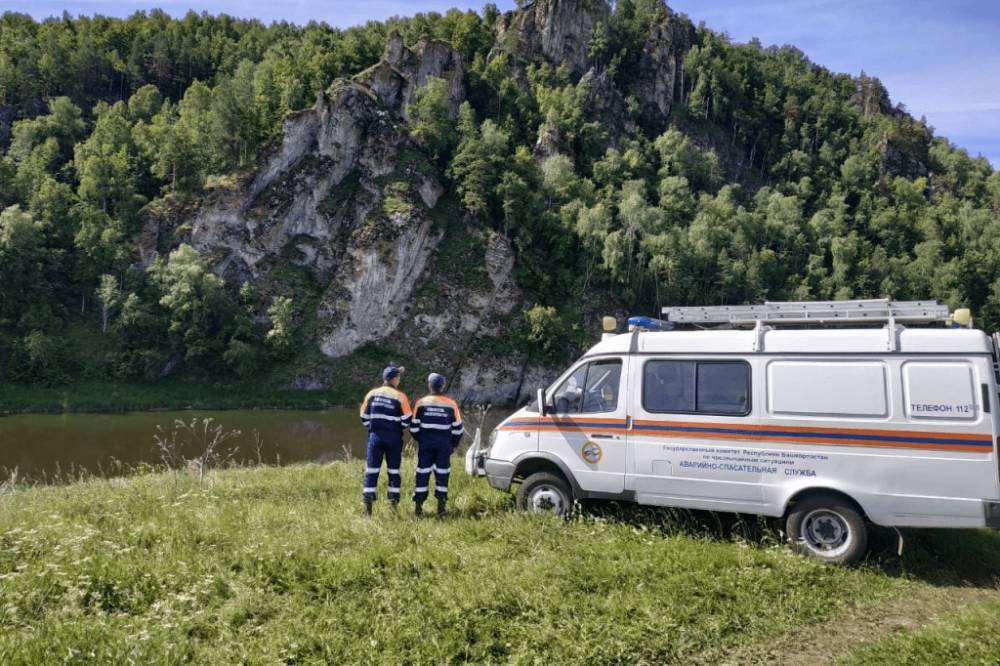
(499, 473)
(992, 510)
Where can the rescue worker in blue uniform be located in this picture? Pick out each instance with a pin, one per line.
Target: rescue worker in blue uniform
(385, 413)
(437, 427)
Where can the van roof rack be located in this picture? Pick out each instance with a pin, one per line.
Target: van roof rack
(822, 313)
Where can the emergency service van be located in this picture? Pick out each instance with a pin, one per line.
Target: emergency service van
(829, 414)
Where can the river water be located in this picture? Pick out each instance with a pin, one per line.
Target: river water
(44, 447)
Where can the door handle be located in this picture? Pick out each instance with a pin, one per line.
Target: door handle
(601, 436)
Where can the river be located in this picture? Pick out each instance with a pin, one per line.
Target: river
(47, 448)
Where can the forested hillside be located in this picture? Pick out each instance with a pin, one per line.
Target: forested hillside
(183, 197)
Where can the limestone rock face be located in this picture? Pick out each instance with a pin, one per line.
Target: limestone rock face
(369, 295)
(396, 78)
(293, 195)
(345, 194)
(465, 323)
(349, 198)
(555, 30)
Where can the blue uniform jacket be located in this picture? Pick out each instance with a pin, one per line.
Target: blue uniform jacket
(385, 412)
(437, 422)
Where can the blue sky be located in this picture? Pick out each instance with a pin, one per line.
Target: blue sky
(940, 58)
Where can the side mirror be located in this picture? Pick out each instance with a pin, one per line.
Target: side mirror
(541, 402)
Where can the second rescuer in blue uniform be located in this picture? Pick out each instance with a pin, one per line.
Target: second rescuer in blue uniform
(386, 414)
(437, 427)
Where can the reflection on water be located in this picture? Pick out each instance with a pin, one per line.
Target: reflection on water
(46, 446)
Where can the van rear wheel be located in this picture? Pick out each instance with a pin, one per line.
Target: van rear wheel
(544, 492)
(828, 527)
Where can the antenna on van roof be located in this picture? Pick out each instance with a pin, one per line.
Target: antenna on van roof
(870, 311)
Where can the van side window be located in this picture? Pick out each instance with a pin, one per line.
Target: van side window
(849, 388)
(591, 389)
(697, 387)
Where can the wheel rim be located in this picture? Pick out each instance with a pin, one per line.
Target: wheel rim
(546, 499)
(826, 532)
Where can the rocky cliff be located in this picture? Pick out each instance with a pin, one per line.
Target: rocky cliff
(557, 31)
(347, 196)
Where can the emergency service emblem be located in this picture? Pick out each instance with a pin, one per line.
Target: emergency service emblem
(591, 452)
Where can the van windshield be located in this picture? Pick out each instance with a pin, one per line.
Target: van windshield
(590, 389)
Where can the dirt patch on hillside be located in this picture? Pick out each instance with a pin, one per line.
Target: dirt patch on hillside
(826, 642)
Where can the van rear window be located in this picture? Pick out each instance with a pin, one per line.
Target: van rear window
(940, 390)
(696, 387)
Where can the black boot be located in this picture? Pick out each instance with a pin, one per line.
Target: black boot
(368, 508)
(441, 503)
(418, 509)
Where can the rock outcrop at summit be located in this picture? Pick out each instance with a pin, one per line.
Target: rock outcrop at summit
(559, 31)
(401, 71)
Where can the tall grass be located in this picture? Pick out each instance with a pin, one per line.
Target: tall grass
(278, 565)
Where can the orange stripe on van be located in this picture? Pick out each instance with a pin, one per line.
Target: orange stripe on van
(812, 429)
(867, 437)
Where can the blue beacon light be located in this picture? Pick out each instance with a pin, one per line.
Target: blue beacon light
(649, 324)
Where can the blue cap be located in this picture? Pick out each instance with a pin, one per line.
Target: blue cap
(435, 381)
(390, 372)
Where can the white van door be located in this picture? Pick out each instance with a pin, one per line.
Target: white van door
(693, 432)
(587, 426)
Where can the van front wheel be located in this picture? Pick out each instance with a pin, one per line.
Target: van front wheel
(543, 492)
(828, 527)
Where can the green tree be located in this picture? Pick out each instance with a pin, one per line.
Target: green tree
(281, 312)
(242, 357)
(109, 295)
(548, 333)
(431, 124)
(478, 161)
(239, 117)
(145, 103)
(64, 124)
(178, 141)
(194, 301)
(43, 359)
(23, 263)
(105, 164)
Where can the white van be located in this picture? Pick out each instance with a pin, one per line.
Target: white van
(782, 412)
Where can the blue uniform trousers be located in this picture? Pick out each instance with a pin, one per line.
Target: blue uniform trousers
(432, 458)
(377, 451)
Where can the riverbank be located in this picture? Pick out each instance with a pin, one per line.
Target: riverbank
(277, 565)
(192, 388)
(116, 397)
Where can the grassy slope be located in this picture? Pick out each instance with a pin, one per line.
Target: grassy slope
(277, 565)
